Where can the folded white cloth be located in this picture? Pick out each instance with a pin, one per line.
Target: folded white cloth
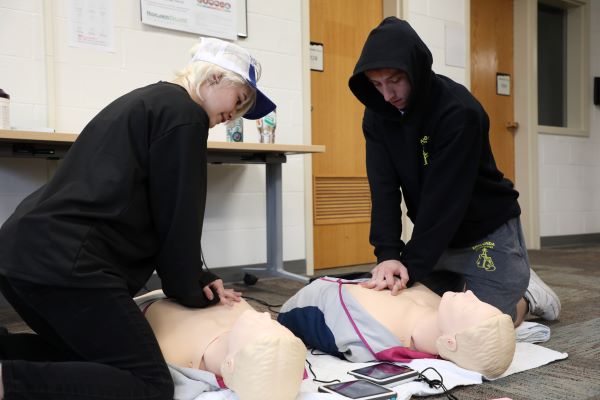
(532, 332)
(527, 356)
(327, 368)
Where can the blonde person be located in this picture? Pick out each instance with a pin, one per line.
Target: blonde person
(256, 356)
(348, 320)
(127, 199)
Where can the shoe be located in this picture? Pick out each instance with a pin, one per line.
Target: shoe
(543, 302)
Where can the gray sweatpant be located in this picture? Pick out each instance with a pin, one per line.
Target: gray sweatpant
(496, 268)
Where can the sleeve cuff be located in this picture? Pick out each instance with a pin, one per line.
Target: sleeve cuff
(195, 298)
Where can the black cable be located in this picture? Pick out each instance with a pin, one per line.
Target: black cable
(312, 351)
(436, 383)
(259, 301)
(264, 303)
(203, 260)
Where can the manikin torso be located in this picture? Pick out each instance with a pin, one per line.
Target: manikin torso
(411, 315)
(194, 338)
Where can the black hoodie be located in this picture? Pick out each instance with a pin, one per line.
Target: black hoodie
(435, 154)
(127, 199)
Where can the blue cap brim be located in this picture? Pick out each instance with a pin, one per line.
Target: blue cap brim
(262, 107)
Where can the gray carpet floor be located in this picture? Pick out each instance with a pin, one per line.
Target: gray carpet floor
(573, 272)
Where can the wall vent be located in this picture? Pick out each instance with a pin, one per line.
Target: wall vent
(339, 199)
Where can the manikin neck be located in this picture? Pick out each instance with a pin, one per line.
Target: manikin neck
(215, 353)
(426, 332)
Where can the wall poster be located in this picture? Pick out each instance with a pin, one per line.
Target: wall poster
(216, 18)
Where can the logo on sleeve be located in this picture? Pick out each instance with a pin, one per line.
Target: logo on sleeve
(424, 140)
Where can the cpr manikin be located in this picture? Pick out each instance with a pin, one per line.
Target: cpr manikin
(255, 355)
(360, 324)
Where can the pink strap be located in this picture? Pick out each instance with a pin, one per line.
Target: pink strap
(362, 338)
(146, 306)
(221, 382)
(402, 354)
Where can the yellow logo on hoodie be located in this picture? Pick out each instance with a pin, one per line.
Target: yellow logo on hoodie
(424, 141)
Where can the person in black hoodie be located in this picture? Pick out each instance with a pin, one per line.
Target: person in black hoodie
(427, 143)
(128, 199)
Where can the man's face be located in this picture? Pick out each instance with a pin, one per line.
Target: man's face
(393, 84)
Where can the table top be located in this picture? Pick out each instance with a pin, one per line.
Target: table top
(68, 138)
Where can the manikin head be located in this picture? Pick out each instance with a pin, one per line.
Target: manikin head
(475, 335)
(264, 360)
(393, 84)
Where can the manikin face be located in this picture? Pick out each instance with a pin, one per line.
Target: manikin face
(459, 311)
(264, 360)
(221, 100)
(252, 325)
(393, 84)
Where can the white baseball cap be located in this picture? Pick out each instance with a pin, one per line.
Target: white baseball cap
(236, 59)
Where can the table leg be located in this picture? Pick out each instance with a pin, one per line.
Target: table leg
(275, 226)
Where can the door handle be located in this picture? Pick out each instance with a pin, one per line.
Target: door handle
(512, 125)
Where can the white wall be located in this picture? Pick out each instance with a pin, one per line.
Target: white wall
(431, 19)
(23, 77)
(85, 80)
(570, 167)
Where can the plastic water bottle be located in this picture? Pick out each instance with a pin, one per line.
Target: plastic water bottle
(235, 130)
(266, 127)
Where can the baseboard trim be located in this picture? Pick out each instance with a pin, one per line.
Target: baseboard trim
(569, 240)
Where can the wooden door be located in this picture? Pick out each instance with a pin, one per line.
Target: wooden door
(492, 54)
(341, 198)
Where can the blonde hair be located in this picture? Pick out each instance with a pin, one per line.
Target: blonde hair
(271, 367)
(197, 73)
(487, 348)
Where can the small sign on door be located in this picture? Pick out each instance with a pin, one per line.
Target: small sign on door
(316, 56)
(503, 84)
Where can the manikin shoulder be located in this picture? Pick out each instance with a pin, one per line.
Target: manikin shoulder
(167, 312)
(184, 333)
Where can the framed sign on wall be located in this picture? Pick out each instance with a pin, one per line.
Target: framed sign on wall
(225, 19)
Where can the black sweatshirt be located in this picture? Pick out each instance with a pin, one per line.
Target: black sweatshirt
(436, 155)
(127, 199)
